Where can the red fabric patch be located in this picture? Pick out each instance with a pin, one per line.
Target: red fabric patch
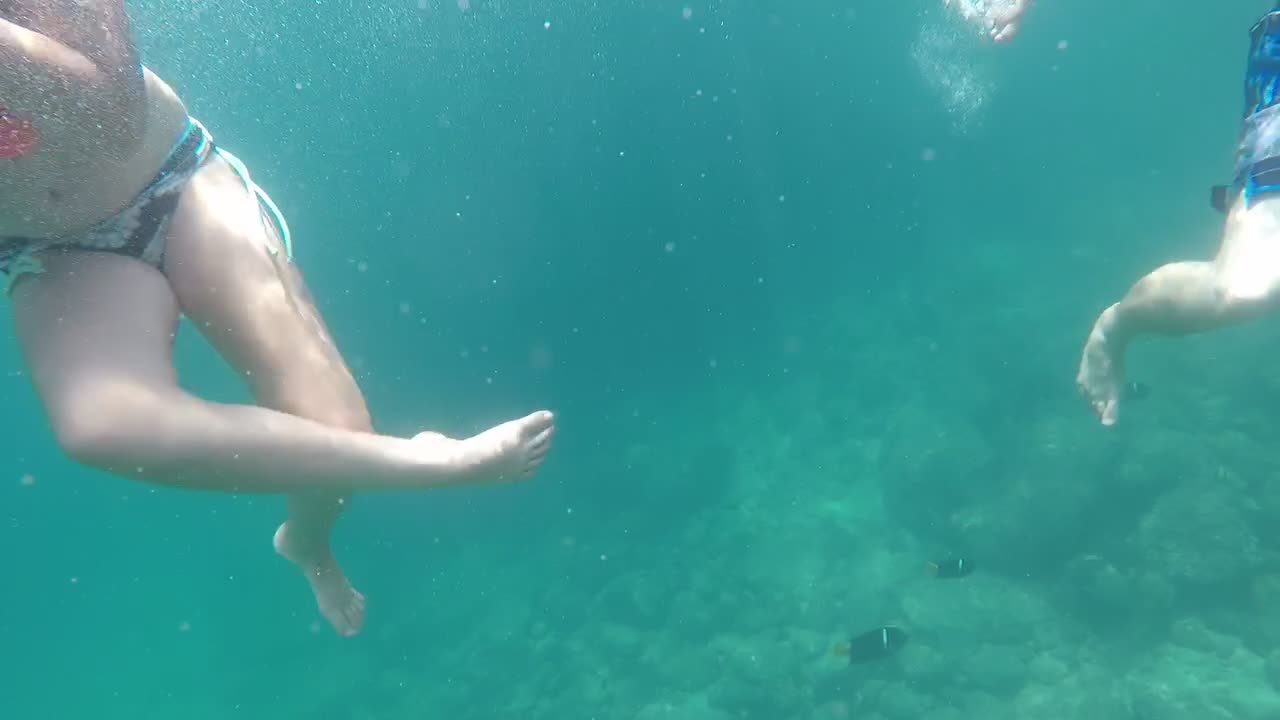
(18, 135)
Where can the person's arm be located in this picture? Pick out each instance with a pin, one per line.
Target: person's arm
(78, 50)
(97, 29)
(20, 46)
(33, 66)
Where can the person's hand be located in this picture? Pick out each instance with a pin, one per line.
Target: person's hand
(1004, 24)
(1004, 32)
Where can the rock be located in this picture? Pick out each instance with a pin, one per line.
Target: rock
(1074, 697)
(1124, 598)
(932, 465)
(979, 608)
(1215, 680)
(1192, 634)
(1199, 536)
(985, 706)
(687, 708)
(620, 639)
(1271, 668)
(944, 713)
(1048, 670)
(924, 663)
(1000, 669)
(900, 702)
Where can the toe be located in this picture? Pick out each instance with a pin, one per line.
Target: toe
(539, 422)
(354, 617)
(542, 440)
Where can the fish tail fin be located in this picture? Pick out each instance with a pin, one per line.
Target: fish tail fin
(931, 568)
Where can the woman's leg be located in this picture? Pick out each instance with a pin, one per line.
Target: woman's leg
(255, 309)
(286, 356)
(97, 331)
(230, 273)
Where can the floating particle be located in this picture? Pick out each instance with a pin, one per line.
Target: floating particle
(541, 357)
(686, 13)
(1062, 44)
(546, 25)
(27, 480)
(669, 247)
(928, 154)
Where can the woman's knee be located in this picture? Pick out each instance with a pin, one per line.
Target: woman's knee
(105, 424)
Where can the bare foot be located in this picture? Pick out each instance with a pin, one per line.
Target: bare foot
(1101, 376)
(511, 451)
(340, 604)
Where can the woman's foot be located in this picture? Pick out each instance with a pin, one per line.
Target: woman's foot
(340, 603)
(511, 451)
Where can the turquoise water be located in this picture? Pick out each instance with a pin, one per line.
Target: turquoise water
(806, 284)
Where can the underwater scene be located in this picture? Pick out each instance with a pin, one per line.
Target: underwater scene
(810, 289)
